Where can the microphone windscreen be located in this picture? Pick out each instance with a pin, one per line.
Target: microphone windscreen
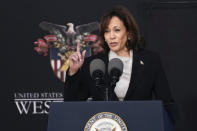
(115, 64)
(97, 64)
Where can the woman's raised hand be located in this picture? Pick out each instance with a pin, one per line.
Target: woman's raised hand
(76, 60)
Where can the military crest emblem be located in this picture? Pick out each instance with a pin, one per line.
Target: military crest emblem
(62, 40)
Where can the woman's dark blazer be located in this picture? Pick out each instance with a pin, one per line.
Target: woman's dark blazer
(148, 81)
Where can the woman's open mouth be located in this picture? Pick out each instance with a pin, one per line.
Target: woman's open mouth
(113, 44)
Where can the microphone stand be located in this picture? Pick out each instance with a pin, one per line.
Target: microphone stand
(101, 85)
(113, 82)
(106, 94)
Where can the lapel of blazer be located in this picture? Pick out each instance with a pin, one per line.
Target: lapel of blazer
(134, 75)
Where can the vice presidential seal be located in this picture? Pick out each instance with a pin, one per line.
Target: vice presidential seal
(105, 121)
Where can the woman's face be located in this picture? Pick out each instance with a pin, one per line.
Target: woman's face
(116, 36)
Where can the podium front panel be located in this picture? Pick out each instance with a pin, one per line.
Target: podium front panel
(137, 115)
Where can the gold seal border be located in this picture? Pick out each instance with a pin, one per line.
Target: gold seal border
(109, 118)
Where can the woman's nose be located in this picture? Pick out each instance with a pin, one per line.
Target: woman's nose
(112, 35)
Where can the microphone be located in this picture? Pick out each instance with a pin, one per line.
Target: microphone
(115, 69)
(97, 71)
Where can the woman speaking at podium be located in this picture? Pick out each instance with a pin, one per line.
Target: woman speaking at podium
(142, 78)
